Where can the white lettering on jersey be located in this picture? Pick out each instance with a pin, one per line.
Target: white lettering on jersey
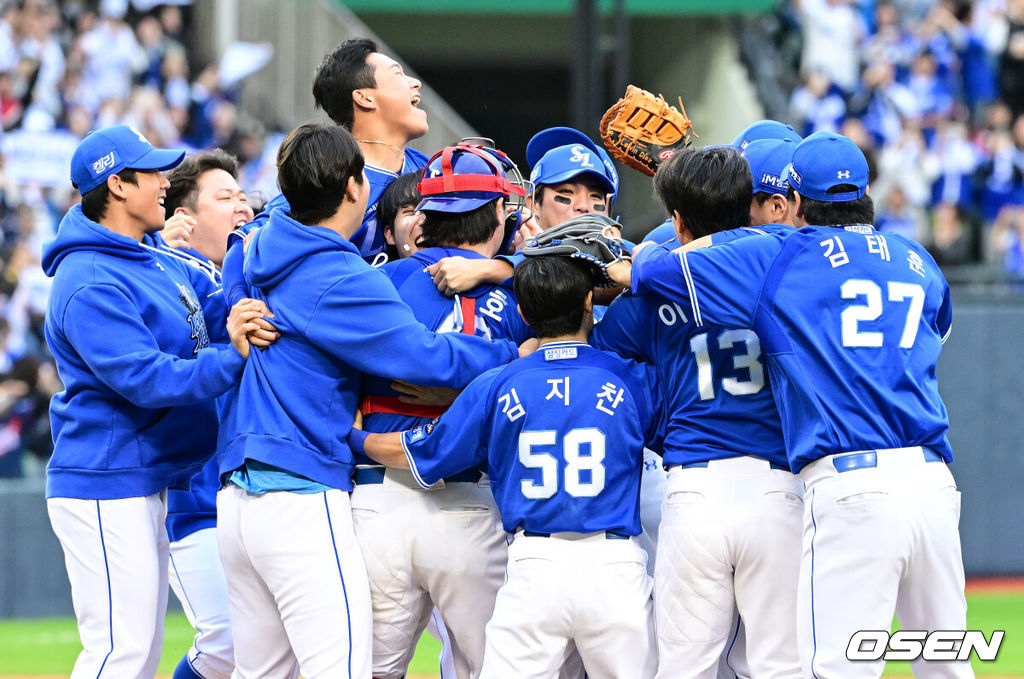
(556, 392)
(916, 264)
(877, 245)
(494, 304)
(611, 393)
(512, 412)
(671, 313)
(835, 245)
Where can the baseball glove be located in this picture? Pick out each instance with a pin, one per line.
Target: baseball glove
(588, 237)
(643, 130)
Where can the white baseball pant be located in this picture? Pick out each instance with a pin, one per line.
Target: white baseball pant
(729, 538)
(880, 537)
(443, 547)
(589, 590)
(652, 493)
(297, 586)
(115, 552)
(197, 579)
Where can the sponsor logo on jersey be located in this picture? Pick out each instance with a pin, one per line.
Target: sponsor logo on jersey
(940, 645)
(560, 353)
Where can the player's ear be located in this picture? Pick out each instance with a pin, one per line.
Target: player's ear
(682, 233)
(352, 190)
(796, 209)
(181, 210)
(588, 303)
(363, 99)
(116, 186)
(389, 236)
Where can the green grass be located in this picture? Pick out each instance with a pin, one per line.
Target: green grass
(988, 611)
(49, 646)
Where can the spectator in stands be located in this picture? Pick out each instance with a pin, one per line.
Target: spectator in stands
(951, 243)
(832, 30)
(896, 214)
(817, 105)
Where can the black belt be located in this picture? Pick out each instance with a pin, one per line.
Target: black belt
(365, 476)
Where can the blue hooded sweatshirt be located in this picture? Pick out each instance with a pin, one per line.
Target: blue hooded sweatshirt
(126, 327)
(338, 317)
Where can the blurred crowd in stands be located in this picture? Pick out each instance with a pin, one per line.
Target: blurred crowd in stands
(934, 94)
(66, 68)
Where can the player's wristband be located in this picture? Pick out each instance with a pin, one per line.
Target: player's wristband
(357, 440)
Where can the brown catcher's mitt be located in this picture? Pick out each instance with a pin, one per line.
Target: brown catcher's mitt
(643, 130)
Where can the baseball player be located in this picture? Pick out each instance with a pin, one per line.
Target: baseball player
(126, 326)
(562, 433)
(398, 218)
(731, 517)
(297, 585)
(206, 204)
(446, 546)
(369, 94)
(571, 175)
(852, 324)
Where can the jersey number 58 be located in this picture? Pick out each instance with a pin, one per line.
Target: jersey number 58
(583, 474)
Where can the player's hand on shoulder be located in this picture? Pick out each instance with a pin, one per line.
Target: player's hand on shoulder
(425, 396)
(453, 275)
(267, 333)
(528, 347)
(177, 231)
(242, 322)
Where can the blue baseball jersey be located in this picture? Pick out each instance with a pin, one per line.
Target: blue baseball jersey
(716, 386)
(369, 238)
(852, 323)
(493, 310)
(561, 432)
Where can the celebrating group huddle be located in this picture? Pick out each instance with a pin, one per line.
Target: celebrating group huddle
(509, 423)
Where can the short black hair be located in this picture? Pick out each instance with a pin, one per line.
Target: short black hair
(399, 194)
(842, 213)
(455, 228)
(314, 165)
(551, 291)
(762, 197)
(184, 179)
(94, 203)
(339, 74)
(710, 189)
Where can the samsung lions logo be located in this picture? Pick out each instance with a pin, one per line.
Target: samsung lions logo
(101, 165)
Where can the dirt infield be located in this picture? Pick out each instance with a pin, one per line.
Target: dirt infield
(995, 584)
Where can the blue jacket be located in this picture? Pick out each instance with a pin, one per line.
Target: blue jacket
(125, 325)
(338, 317)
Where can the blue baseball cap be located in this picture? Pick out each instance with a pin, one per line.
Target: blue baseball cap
(559, 154)
(768, 159)
(112, 149)
(765, 129)
(826, 159)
